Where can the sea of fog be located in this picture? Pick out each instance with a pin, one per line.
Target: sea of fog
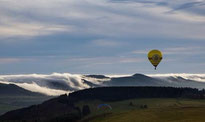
(61, 83)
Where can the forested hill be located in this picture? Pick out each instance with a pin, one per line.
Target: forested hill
(124, 93)
(64, 108)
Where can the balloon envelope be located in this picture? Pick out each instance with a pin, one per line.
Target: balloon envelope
(155, 57)
(104, 106)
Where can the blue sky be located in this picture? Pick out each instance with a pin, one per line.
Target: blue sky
(101, 36)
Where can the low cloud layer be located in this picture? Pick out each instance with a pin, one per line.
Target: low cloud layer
(60, 83)
(194, 77)
(53, 84)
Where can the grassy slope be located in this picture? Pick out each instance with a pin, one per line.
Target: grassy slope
(8, 103)
(159, 110)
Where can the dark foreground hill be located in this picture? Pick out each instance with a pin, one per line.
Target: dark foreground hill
(124, 93)
(51, 110)
(64, 108)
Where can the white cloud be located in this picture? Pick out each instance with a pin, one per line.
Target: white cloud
(195, 77)
(131, 60)
(106, 43)
(189, 50)
(184, 50)
(30, 29)
(102, 17)
(13, 60)
(140, 52)
(40, 82)
(105, 60)
(9, 60)
(44, 83)
(36, 88)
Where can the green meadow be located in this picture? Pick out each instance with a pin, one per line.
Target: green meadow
(158, 110)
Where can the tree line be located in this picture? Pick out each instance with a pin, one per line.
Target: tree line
(124, 93)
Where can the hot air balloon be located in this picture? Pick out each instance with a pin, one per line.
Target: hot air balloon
(155, 57)
(104, 106)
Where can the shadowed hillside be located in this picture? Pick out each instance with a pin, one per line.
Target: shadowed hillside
(124, 93)
(50, 110)
(63, 108)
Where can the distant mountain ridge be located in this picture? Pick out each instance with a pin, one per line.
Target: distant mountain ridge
(68, 83)
(97, 76)
(14, 90)
(134, 80)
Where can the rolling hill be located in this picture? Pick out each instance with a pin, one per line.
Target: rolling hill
(67, 108)
(14, 90)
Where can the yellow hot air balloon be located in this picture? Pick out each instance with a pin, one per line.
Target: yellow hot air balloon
(155, 56)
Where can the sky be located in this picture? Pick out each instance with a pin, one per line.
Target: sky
(101, 36)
